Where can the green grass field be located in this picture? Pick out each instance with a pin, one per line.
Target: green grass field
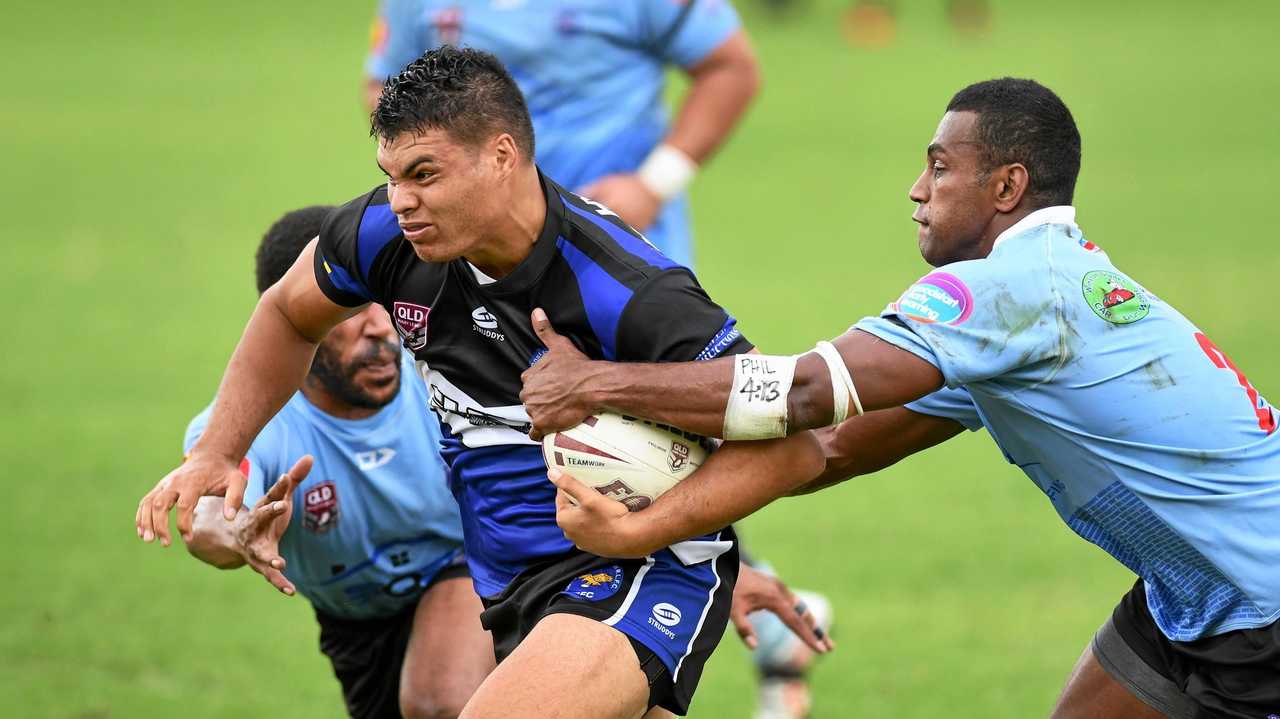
(147, 145)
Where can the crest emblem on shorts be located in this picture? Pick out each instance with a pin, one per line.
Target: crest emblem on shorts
(597, 584)
(411, 323)
(1114, 297)
(678, 457)
(320, 507)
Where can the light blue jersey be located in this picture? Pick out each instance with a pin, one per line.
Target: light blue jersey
(1143, 434)
(374, 521)
(592, 74)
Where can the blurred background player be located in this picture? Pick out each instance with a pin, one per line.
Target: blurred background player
(371, 536)
(593, 78)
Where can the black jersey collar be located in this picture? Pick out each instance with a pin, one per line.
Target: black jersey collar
(530, 269)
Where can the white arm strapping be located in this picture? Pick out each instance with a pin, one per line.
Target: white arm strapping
(842, 389)
(757, 407)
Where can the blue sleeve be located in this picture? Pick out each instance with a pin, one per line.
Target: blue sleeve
(683, 32)
(978, 320)
(954, 404)
(396, 39)
(256, 465)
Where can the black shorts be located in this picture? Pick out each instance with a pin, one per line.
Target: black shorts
(1235, 674)
(674, 613)
(367, 654)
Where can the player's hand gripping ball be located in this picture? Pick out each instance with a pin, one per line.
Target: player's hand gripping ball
(630, 460)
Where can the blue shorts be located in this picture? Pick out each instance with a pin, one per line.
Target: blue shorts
(673, 605)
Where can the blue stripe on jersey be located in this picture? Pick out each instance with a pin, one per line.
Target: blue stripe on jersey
(342, 280)
(1188, 596)
(508, 509)
(629, 242)
(727, 335)
(378, 226)
(603, 296)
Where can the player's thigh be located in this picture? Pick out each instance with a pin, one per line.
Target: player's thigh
(449, 653)
(567, 667)
(1092, 693)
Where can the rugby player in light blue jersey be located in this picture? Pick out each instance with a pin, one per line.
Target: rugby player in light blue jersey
(593, 74)
(371, 536)
(1144, 435)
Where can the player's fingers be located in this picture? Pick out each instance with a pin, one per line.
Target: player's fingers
(159, 512)
(542, 327)
(234, 498)
(577, 491)
(281, 489)
(301, 468)
(186, 505)
(746, 631)
(805, 629)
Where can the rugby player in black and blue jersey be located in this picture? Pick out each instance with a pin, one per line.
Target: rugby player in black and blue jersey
(463, 241)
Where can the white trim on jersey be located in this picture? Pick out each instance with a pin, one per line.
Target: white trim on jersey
(711, 596)
(471, 422)
(631, 593)
(1056, 215)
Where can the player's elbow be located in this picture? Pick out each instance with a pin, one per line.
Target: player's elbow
(809, 401)
(426, 703)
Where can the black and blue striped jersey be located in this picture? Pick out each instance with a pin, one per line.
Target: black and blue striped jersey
(602, 285)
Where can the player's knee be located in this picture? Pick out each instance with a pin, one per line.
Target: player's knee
(430, 703)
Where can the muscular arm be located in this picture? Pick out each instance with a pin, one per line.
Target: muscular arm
(876, 440)
(271, 361)
(738, 479)
(561, 388)
(265, 370)
(213, 539)
(722, 86)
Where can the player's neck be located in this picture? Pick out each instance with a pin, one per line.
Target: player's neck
(1001, 222)
(516, 231)
(326, 402)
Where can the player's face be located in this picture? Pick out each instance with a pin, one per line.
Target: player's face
(359, 361)
(954, 207)
(441, 191)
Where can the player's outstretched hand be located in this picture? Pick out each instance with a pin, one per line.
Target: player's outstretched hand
(200, 476)
(552, 393)
(756, 590)
(259, 530)
(592, 521)
(627, 197)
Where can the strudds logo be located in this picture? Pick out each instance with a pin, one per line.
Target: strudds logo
(938, 297)
(374, 458)
(486, 324)
(665, 615)
(411, 323)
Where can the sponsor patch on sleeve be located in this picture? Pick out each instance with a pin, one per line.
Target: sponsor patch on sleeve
(937, 298)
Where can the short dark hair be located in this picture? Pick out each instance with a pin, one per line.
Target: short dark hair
(465, 92)
(285, 240)
(1024, 121)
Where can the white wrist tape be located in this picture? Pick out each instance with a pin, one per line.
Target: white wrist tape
(667, 171)
(842, 389)
(757, 406)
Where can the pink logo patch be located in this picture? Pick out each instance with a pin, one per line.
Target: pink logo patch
(937, 297)
(411, 323)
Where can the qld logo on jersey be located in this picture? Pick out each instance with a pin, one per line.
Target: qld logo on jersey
(320, 507)
(596, 585)
(411, 323)
(937, 298)
(1114, 297)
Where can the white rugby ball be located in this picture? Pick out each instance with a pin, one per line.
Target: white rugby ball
(624, 458)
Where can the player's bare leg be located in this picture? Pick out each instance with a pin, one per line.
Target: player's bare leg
(1092, 693)
(449, 653)
(567, 667)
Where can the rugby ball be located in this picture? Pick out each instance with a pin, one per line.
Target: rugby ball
(624, 458)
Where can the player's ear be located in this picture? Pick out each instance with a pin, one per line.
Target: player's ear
(1010, 185)
(505, 153)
